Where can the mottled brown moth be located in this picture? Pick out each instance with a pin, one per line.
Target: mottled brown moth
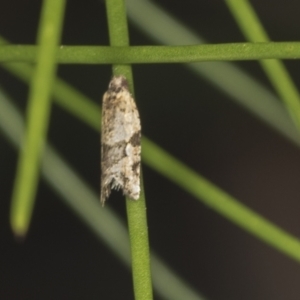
(120, 141)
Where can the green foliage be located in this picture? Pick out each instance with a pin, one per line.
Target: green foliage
(120, 54)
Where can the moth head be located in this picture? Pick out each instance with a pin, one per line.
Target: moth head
(117, 83)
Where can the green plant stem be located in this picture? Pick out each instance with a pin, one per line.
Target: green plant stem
(38, 112)
(156, 54)
(253, 30)
(136, 210)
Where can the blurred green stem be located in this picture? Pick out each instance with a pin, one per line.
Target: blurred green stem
(38, 112)
(253, 30)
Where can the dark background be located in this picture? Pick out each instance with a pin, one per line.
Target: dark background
(62, 259)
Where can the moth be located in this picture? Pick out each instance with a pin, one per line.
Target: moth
(120, 141)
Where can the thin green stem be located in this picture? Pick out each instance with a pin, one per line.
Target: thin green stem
(156, 54)
(136, 210)
(253, 30)
(38, 112)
